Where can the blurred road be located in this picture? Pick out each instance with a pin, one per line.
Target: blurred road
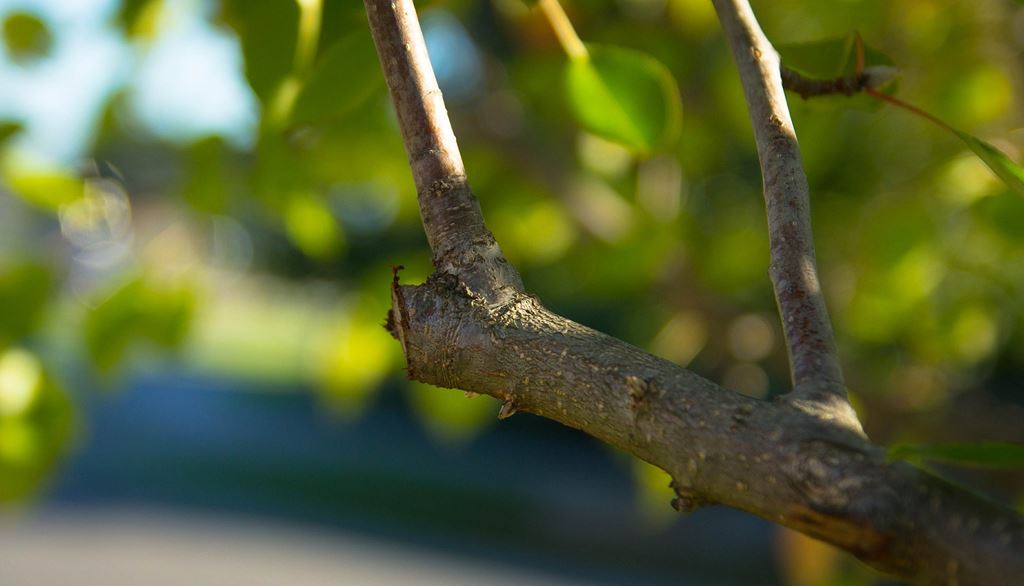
(129, 548)
(184, 478)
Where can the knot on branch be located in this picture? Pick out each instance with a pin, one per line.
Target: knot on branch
(508, 409)
(639, 390)
(834, 476)
(443, 186)
(687, 500)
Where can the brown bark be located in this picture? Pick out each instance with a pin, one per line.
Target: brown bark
(455, 228)
(809, 88)
(817, 375)
(801, 461)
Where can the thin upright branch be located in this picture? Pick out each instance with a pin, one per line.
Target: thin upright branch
(564, 31)
(817, 375)
(461, 243)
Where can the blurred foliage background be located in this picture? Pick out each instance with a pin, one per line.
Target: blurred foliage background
(220, 187)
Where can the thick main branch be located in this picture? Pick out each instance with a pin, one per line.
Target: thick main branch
(720, 447)
(817, 374)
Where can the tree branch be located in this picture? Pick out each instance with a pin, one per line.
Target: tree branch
(720, 447)
(868, 80)
(461, 243)
(806, 87)
(817, 375)
(470, 326)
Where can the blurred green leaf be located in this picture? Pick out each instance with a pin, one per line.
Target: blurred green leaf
(1011, 173)
(312, 227)
(1004, 212)
(26, 36)
(625, 96)
(159, 313)
(346, 75)
(24, 294)
(988, 454)
(139, 18)
(356, 357)
(109, 327)
(45, 188)
(654, 494)
(167, 315)
(519, 225)
(7, 130)
(21, 382)
(36, 421)
(451, 415)
(280, 169)
(269, 31)
(339, 20)
(207, 186)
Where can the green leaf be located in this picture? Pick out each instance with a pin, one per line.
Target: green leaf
(1011, 173)
(7, 130)
(45, 188)
(36, 424)
(653, 491)
(356, 357)
(26, 36)
(625, 96)
(207, 186)
(829, 58)
(312, 227)
(451, 416)
(345, 76)
(139, 18)
(1004, 212)
(988, 454)
(268, 30)
(139, 311)
(24, 292)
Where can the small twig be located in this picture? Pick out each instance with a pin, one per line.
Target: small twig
(806, 87)
(817, 376)
(863, 80)
(310, 14)
(563, 28)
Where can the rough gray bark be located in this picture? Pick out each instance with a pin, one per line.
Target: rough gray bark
(801, 461)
